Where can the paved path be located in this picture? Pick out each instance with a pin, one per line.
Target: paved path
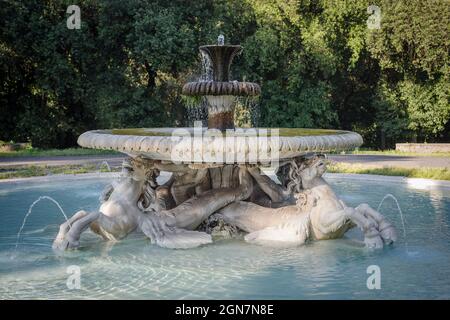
(116, 161)
(112, 160)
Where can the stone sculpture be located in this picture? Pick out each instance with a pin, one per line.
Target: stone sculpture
(207, 194)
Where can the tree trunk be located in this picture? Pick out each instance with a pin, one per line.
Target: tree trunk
(151, 73)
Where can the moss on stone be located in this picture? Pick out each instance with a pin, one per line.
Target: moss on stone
(284, 132)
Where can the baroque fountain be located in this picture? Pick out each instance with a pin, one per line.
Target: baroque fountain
(217, 185)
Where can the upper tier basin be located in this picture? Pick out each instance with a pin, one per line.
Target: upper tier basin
(207, 146)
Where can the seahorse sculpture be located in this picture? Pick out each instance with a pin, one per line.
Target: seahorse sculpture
(317, 213)
(137, 202)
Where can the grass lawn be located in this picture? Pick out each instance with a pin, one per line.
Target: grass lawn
(35, 152)
(396, 153)
(427, 173)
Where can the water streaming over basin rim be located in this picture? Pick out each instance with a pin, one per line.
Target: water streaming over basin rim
(231, 269)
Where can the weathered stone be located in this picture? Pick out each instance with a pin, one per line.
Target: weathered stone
(216, 187)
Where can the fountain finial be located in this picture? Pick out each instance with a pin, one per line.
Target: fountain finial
(221, 40)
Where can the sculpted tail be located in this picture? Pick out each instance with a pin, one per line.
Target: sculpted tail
(171, 237)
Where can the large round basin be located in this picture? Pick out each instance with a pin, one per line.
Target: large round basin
(210, 146)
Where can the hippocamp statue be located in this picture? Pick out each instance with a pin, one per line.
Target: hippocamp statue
(303, 207)
(137, 202)
(316, 214)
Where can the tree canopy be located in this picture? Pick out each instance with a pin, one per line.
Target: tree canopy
(318, 63)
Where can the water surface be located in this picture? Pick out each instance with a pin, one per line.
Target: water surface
(230, 269)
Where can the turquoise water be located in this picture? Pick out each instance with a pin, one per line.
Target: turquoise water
(227, 269)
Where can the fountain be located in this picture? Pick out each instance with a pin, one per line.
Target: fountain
(216, 181)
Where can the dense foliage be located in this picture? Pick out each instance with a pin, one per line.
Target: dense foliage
(318, 63)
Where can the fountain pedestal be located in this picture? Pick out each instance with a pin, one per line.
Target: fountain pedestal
(221, 112)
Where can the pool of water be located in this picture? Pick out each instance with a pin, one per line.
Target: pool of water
(415, 267)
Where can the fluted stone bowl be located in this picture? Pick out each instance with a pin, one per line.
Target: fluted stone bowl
(213, 88)
(198, 145)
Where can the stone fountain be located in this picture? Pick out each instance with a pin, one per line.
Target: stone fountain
(217, 185)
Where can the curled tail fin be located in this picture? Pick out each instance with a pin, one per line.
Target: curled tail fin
(171, 237)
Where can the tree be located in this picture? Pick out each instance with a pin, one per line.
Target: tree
(412, 49)
(289, 56)
(317, 62)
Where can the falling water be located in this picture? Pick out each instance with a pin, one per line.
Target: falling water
(104, 163)
(196, 110)
(207, 68)
(31, 209)
(196, 107)
(221, 40)
(247, 112)
(401, 214)
(255, 112)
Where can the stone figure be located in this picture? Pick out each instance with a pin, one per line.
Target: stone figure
(303, 207)
(206, 196)
(137, 202)
(317, 213)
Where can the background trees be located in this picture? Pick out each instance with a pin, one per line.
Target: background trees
(318, 64)
(412, 50)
